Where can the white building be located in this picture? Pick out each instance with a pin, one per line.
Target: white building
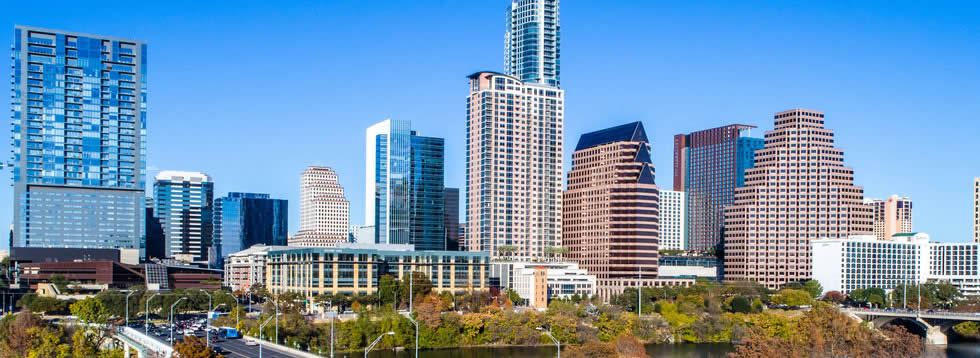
(564, 279)
(324, 210)
(863, 261)
(247, 267)
(673, 220)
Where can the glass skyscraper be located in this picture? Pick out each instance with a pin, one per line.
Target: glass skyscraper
(78, 139)
(533, 41)
(404, 177)
(245, 219)
(185, 208)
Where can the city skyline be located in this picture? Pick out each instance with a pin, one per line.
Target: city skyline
(941, 203)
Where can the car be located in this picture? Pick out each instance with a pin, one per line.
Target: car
(250, 342)
(220, 350)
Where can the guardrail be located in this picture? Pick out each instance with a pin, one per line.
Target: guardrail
(282, 348)
(898, 312)
(151, 344)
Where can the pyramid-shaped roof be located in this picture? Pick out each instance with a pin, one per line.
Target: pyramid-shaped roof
(630, 132)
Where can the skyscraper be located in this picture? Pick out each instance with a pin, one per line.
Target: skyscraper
(451, 223)
(324, 211)
(612, 205)
(976, 209)
(673, 220)
(404, 177)
(533, 51)
(798, 191)
(78, 140)
(514, 166)
(185, 208)
(245, 219)
(891, 216)
(708, 166)
(156, 242)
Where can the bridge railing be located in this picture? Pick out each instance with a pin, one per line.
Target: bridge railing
(151, 344)
(915, 312)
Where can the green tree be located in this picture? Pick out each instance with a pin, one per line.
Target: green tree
(813, 287)
(946, 294)
(740, 304)
(91, 311)
(513, 296)
(60, 282)
(421, 285)
(792, 297)
(388, 289)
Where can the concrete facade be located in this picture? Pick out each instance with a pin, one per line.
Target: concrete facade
(891, 216)
(324, 210)
(673, 220)
(798, 191)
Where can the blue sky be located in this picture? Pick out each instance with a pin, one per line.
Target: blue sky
(253, 92)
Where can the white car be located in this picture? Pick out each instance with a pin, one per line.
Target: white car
(250, 342)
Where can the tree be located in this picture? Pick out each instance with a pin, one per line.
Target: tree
(513, 296)
(792, 297)
(740, 304)
(60, 282)
(947, 294)
(813, 287)
(834, 297)
(388, 289)
(90, 310)
(430, 311)
(193, 347)
(421, 285)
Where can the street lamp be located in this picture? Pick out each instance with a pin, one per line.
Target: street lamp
(172, 319)
(274, 303)
(369, 348)
(207, 321)
(146, 319)
(332, 318)
(548, 332)
(411, 297)
(127, 307)
(260, 332)
(237, 306)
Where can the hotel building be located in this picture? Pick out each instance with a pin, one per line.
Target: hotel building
(324, 211)
(891, 216)
(514, 167)
(673, 220)
(357, 268)
(798, 191)
(78, 140)
(708, 166)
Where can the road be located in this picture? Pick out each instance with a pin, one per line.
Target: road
(239, 349)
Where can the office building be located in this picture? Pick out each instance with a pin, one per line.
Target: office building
(891, 216)
(708, 166)
(612, 205)
(514, 167)
(451, 223)
(976, 210)
(533, 50)
(357, 268)
(78, 143)
(864, 261)
(324, 210)
(247, 267)
(185, 208)
(156, 242)
(404, 186)
(798, 191)
(242, 220)
(673, 220)
(559, 280)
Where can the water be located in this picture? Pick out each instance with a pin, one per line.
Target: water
(689, 350)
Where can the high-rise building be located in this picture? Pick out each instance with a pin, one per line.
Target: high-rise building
(673, 220)
(324, 210)
(891, 216)
(185, 208)
(404, 186)
(976, 209)
(612, 206)
(156, 242)
(708, 166)
(78, 140)
(533, 51)
(798, 191)
(451, 223)
(242, 220)
(514, 167)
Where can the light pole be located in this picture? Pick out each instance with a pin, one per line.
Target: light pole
(146, 319)
(548, 332)
(274, 303)
(416, 323)
(237, 306)
(260, 331)
(411, 297)
(172, 319)
(332, 318)
(207, 321)
(369, 348)
(127, 307)
(639, 292)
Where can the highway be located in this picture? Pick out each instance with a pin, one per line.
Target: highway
(239, 349)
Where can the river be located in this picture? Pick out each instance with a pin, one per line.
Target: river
(960, 350)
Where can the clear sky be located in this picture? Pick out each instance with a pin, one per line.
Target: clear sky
(252, 92)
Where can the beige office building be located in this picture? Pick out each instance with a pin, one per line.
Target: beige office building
(513, 168)
(612, 205)
(798, 191)
(891, 216)
(324, 210)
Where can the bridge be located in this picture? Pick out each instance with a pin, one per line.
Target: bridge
(933, 325)
(145, 346)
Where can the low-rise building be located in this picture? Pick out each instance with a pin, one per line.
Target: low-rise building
(354, 268)
(560, 280)
(863, 261)
(247, 267)
(677, 266)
